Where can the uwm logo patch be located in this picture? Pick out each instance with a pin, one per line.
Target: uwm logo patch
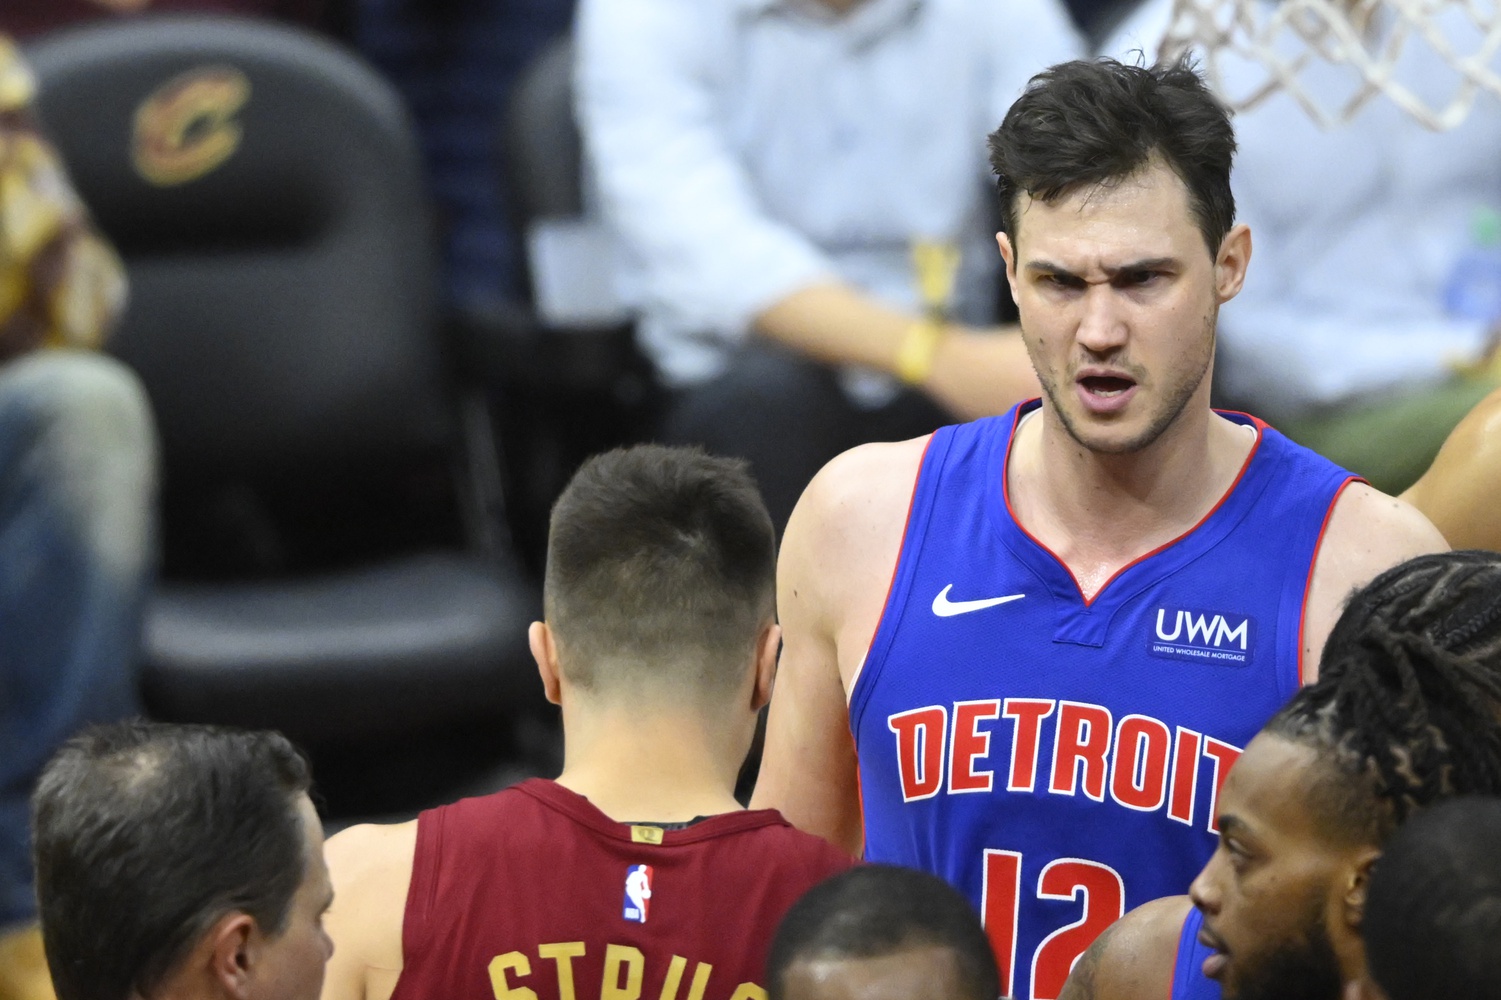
(1208, 636)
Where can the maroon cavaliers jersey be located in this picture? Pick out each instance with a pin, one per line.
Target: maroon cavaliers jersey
(534, 893)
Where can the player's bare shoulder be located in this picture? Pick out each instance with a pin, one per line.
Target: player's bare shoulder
(1368, 532)
(1134, 958)
(370, 867)
(843, 539)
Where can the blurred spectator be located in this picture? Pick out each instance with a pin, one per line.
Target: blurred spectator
(1432, 920)
(1377, 271)
(780, 168)
(636, 866)
(77, 479)
(455, 62)
(23, 18)
(879, 932)
(181, 861)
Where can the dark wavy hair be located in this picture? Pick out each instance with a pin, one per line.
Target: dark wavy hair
(1088, 123)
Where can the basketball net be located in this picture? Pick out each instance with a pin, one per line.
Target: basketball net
(1284, 38)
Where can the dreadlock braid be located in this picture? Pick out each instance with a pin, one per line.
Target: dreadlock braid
(1408, 700)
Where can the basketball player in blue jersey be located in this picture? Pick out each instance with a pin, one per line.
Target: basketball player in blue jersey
(1051, 649)
(1407, 713)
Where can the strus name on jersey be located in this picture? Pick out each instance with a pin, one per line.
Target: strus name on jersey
(1211, 636)
(1061, 748)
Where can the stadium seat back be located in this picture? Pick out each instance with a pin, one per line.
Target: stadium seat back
(266, 193)
(264, 189)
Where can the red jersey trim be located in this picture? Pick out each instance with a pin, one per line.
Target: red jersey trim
(1088, 601)
(896, 568)
(1313, 563)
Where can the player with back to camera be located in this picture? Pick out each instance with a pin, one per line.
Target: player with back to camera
(1052, 647)
(1432, 918)
(879, 932)
(636, 873)
(180, 863)
(1406, 713)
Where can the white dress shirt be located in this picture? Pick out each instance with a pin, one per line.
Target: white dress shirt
(743, 150)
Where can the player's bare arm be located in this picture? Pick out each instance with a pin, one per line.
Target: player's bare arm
(1134, 958)
(1458, 492)
(838, 553)
(1368, 532)
(371, 867)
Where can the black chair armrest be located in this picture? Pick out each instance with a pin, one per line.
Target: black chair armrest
(506, 345)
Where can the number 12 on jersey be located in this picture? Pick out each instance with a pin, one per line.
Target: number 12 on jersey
(1097, 886)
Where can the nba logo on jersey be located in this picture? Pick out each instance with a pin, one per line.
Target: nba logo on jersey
(637, 892)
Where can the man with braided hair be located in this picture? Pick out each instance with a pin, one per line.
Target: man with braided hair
(1406, 712)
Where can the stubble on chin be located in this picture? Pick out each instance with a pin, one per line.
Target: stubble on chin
(1170, 408)
(1301, 967)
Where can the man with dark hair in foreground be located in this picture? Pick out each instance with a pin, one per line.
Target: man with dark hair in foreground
(635, 873)
(1432, 926)
(1406, 713)
(879, 932)
(180, 862)
(1051, 633)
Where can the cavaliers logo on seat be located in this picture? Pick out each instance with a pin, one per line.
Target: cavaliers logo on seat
(187, 128)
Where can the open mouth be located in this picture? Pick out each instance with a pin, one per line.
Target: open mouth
(1105, 385)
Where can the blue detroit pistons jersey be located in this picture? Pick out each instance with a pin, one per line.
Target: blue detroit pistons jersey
(1055, 758)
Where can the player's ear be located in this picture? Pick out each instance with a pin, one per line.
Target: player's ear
(233, 948)
(1231, 263)
(768, 648)
(545, 652)
(1008, 254)
(1356, 884)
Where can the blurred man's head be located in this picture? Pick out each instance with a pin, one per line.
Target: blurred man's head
(1113, 181)
(1432, 924)
(1406, 713)
(878, 932)
(180, 859)
(659, 590)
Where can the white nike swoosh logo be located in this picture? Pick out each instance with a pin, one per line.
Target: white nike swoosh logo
(945, 608)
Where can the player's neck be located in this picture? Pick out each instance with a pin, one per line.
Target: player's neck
(648, 765)
(1098, 512)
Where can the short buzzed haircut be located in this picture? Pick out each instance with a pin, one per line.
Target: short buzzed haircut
(147, 834)
(876, 910)
(1095, 122)
(1432, 920)
(661, 568)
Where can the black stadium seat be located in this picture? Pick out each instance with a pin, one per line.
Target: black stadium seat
(264, 188)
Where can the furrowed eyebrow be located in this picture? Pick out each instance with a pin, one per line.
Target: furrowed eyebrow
(1147, 264)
